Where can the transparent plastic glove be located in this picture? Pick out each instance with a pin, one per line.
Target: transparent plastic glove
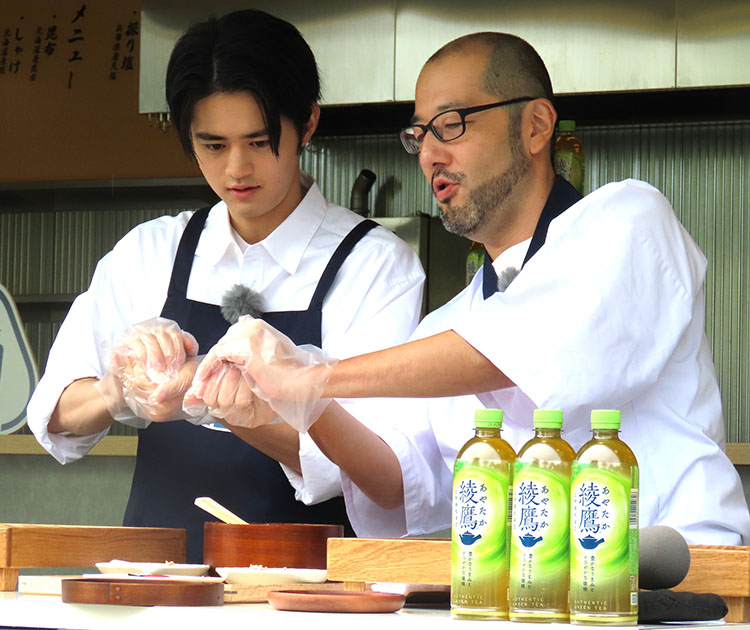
(150, 366)
(228, 396)
(289, 378)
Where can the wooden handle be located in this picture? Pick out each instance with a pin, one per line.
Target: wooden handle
(219, 511)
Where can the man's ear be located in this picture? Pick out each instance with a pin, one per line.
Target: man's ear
(540, 117)
(311, 125)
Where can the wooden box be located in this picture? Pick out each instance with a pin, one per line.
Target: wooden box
(25, 546)
(723, 570)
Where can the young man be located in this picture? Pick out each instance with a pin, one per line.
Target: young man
(242, 92)
(599, 304)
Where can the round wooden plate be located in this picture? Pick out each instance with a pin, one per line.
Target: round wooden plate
(135, 592)
(336, 601)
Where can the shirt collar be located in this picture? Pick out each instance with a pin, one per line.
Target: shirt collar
(561, 197)
(216, 239)
(286, 244)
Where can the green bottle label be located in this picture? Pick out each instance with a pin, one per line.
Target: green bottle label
(474, 260)
(479, 561)
(539, 562)
(604, 541)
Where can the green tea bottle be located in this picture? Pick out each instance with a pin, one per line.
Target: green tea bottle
(481, 522)
(540, 537)
(568, 156)
(604, 528)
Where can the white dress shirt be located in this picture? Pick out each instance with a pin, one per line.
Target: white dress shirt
(374, 303)
(608, 314)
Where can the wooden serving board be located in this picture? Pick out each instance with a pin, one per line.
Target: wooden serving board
(124, 592)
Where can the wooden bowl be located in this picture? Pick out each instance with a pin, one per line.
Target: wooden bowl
(269, 544)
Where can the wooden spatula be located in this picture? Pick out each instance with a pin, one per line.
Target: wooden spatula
(219, 511)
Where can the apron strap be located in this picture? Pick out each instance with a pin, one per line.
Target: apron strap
(183, 261)
(342, 251)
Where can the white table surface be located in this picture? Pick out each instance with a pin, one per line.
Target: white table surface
(35, 611)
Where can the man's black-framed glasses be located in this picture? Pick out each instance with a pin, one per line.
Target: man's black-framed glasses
(448, 125)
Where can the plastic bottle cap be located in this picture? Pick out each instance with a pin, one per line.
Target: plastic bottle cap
(488, 418)
(605, 419)
(548, 418)
(567, 125)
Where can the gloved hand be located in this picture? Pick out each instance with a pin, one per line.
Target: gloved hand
(289, 378)
(150, 366)
(226, 394)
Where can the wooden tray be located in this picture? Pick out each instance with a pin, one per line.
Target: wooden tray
(124, 592)
(335, 601)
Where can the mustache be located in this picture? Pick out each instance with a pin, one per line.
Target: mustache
(456, 178)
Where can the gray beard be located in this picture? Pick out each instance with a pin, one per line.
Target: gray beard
(485, 200)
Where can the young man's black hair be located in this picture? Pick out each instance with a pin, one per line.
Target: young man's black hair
(245, 51)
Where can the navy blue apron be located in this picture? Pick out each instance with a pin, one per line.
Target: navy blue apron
(178, 461)
(561, 197)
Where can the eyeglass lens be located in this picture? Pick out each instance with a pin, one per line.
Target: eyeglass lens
(446, 126)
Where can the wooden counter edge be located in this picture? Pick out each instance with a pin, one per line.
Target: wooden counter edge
(125, 445)
(112, 445)
(739, 453)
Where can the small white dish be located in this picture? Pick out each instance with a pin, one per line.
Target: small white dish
(260, 575)
(151, 568)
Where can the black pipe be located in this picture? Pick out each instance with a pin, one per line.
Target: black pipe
(360, 190)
